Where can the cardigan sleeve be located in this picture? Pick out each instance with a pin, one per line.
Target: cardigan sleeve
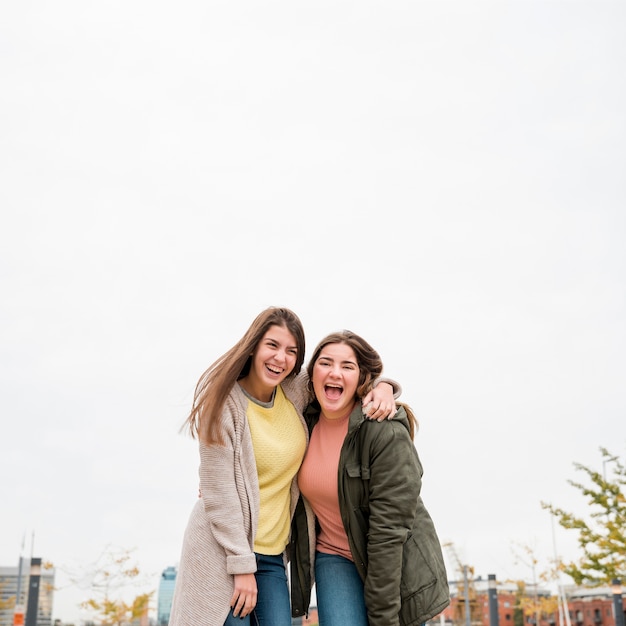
(397, 389)
(224, 494)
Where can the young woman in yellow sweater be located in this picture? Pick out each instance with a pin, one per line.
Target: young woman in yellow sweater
(247, 416)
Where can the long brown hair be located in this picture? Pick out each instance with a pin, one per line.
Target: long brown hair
(215, 384)
(370, 367)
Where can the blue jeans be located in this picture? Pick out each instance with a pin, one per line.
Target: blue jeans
(339, 589)
(272, 606)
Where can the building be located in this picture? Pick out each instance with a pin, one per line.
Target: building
(591, 606)
(9, 579)
(166, 594)
(527, 606)
(471, 604)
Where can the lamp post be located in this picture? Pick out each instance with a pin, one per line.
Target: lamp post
(18, 612)
(32, 608)
(493, 599)
(618, 606)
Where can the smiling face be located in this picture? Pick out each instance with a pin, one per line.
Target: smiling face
(335, 378)
(272, 361)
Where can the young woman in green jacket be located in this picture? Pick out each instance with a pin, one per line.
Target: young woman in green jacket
(377, 559)
(247, 417)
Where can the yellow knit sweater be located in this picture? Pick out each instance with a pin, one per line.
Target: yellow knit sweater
(279, 443)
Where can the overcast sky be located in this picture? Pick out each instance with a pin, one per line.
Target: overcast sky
(446, 179)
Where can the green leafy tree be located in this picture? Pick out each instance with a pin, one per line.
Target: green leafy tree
(601, 535)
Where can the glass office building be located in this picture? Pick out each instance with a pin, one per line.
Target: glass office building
(166, 593)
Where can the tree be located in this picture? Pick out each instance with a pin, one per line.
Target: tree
(530, 606)
(533, 605)
(108, 580)
(602, 538)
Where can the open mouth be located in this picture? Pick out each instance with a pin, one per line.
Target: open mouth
(333, 392)
(277, 371)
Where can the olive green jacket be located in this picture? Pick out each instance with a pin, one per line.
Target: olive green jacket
(392, 537)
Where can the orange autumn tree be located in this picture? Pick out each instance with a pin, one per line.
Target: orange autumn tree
(532, 605)
(109, 580)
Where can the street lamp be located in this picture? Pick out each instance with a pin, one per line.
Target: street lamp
(618, 606)
(493, 600)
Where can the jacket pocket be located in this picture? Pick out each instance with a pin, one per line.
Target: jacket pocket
(355, 470)
(418, 585)
(356, 497)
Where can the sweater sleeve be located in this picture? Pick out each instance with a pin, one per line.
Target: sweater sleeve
(395, 483)
(224, 497)
(397, 389)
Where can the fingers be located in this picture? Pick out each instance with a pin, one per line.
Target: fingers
(379, 412)
(243, 604)
(244, 595)
(380, 403)
(392, 411)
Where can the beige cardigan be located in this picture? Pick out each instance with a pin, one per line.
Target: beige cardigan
(219, 538)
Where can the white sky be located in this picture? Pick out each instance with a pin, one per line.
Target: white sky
(446, 179)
